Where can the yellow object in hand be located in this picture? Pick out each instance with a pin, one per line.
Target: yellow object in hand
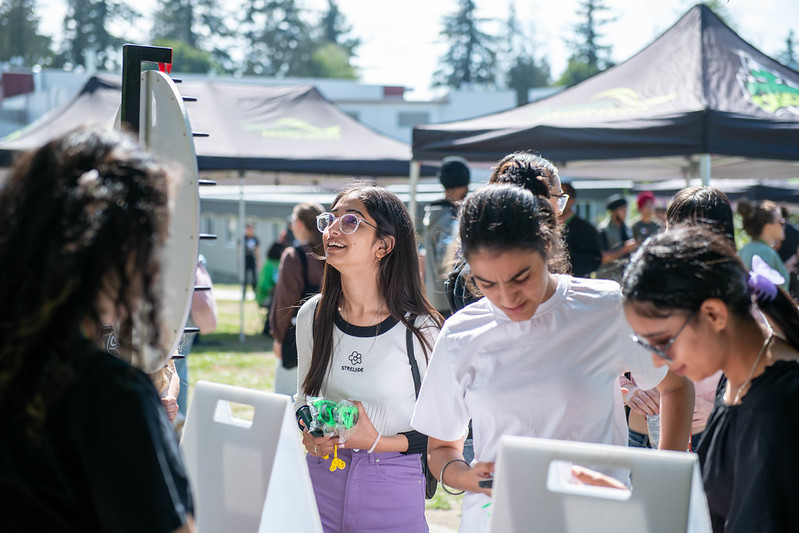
(336, 463)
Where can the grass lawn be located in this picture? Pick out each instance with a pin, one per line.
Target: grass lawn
(220, 357)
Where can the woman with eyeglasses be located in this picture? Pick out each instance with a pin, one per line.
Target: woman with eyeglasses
(540, 177)
(540, 355)
(355, 341)
(694, 305)
(763, 222)
(299, 277)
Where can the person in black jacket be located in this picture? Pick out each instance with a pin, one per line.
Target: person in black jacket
(582, 238)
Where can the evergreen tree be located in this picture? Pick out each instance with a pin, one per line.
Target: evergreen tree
(788, 56)
(20, 42)
(333, 48)
(86, 30)
(471, 58)
(278, 39)
(518, 64)
(200, 26)
(589, 56)
(335, 29)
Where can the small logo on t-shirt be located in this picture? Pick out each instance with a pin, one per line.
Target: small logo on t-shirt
(355, 359)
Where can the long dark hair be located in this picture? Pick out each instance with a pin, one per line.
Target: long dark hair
(505, 217)
(398, 275)
(78, 216)
(706, 206)
(683, 267)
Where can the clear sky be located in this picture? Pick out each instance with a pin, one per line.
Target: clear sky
(401, 41)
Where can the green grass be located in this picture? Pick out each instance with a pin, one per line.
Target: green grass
(221, 357)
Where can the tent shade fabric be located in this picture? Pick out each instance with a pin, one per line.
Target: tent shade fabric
(697, 89)
(250, 127)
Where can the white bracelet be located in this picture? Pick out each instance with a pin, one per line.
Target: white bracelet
(374, 444)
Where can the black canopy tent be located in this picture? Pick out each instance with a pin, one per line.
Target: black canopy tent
(250, 127)
(697, 96)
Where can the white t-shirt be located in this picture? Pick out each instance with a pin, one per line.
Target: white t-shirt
(370, 364)
(553, 376)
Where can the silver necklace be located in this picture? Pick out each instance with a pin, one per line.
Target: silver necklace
(766, 342)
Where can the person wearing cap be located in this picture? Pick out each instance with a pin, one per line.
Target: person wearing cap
(440, 228)
(648, 224)
(582, 238)
(615, 239)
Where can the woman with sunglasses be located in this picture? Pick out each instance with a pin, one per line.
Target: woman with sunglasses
(540, 355)
(353, 343)
(689, 299)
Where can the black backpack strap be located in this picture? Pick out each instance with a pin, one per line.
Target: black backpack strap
(417, 377)
(304, 260)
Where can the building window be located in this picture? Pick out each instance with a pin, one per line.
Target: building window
(411, 119)
(230, 232)
(208, 227)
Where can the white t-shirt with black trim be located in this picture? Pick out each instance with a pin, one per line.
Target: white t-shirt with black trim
(370, 364)
(554, 376)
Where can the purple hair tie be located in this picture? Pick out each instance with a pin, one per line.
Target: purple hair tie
(763, 280)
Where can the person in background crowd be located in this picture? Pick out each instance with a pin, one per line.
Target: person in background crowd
(540, 355)
(695, 206)
(763, 222)
(648, 225)
(582, 238)
(615, 239)
(355, 341)
(789, 252)
(203, 316)
(252, 252)
(696, 308)
(299, 277)
(660, 215)
(83, 218)
(440, 227)
(267, 279)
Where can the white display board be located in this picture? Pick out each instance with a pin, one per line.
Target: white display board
(165, 130)
(533, 490)
(247, 476)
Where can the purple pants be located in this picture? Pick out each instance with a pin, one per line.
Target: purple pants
(375, 492)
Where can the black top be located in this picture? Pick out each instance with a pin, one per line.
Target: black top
(582, 242)
(749, 456)
(107, 459)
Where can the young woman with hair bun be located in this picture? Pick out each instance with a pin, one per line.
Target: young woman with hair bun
(540, 355)
(763, 222)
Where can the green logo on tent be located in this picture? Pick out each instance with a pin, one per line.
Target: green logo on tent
(294, 128)
(766, 88)
(612, 103)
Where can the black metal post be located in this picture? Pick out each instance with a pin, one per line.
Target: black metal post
(133, 55)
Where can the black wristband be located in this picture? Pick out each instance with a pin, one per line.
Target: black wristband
(417, 442)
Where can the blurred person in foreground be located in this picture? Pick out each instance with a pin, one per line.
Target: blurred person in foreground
(82, 220)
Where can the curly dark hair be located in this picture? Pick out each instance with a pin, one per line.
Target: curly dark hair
(79, 217)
